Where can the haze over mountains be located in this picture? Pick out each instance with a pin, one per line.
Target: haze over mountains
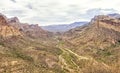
(90, 48)
(115, 15)
(63, 27)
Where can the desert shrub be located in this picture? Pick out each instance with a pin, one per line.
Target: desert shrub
(21, 55)
(95, 68)
(1, 43)
(119, 41)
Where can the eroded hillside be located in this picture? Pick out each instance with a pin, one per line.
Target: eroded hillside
(99, 39)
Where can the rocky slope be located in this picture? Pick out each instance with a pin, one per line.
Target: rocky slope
(33, 30)
(10, 27)
(29, 53)
(99, 39)
(6, 30)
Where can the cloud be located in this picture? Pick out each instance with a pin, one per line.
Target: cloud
(13, 1)
(90, 13)
(29, 6)
(45, 12)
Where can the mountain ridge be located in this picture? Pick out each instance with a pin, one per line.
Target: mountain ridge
(6, 30)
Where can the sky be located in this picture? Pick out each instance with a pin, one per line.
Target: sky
(49, 12)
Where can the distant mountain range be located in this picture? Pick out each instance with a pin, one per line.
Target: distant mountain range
(63, 27)
(115, 15)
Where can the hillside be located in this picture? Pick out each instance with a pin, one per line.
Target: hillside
(30, 30)
(99, 39)
(26, 48)
(101, 28)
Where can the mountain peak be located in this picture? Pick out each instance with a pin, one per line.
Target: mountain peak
(3, 19)
(115, 15)
(5, 29)
(14, 19)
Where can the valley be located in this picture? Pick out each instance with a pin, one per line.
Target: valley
(91, 48)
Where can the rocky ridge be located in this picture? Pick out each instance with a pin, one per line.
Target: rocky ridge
(6, 30)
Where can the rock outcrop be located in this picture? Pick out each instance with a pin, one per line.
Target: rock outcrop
(6, 30)
(14, 20)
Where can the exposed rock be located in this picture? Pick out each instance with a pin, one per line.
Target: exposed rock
(14, 20)
(3, 20)
(6, 30)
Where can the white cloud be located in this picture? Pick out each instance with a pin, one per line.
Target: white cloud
(45, 12)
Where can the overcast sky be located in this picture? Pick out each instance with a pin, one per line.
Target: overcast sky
(46, 12)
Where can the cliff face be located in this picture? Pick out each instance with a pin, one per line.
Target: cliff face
(107, 22)
(6, 30)
(3, 20)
